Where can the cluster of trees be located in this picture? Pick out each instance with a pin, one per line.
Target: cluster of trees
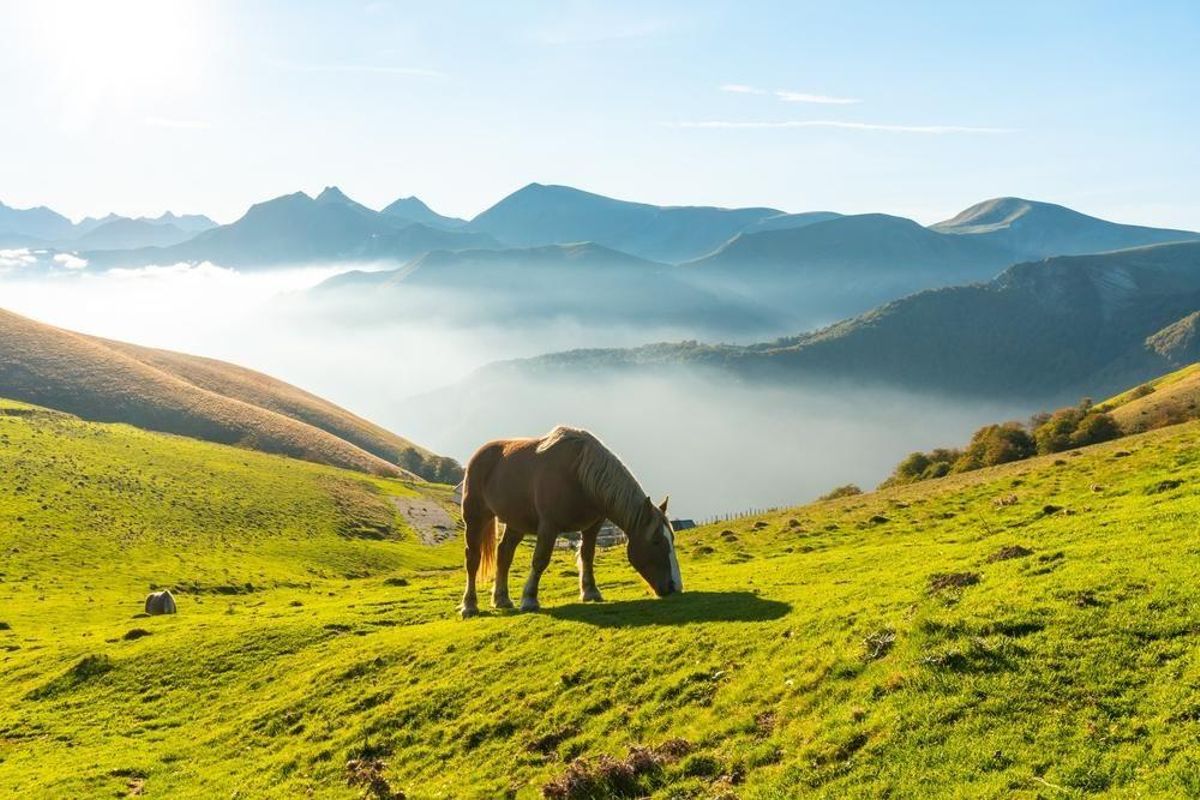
(438, 469)
(1065, 429)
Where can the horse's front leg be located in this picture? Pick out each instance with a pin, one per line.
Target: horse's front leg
(541, 559)
(588, 591)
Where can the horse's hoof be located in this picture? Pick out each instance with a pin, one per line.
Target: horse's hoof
(591, 597)
(530, 605)
(467, 613)
(505, 603)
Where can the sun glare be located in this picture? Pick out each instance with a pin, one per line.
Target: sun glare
(121, 51)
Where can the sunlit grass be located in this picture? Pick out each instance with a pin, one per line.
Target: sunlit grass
(812, 655)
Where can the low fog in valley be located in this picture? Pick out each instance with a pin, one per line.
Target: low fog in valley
(716, 446)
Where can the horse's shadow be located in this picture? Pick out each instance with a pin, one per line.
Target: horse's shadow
(677, 609)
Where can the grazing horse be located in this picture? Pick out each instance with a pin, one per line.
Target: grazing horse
(564, 481)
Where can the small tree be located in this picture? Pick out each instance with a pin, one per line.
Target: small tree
(1095, 428)
(996, 444)
(1054, 435)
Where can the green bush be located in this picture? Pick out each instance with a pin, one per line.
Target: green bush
(1068, 428)
(996, 444)
(849, 490)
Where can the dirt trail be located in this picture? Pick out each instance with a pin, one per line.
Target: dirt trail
(433, 523)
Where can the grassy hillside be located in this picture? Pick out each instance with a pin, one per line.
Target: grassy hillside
(1170, 399)
(1024, 631)
(159, 390)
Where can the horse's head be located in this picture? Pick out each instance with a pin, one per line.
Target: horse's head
(651, 550)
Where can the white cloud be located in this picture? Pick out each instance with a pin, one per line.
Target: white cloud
(70, 260)
(741, 88)
(802, 97)
(16, 258)
(789, 96)
(829, 123)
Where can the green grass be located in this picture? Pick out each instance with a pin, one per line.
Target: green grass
(811, 656)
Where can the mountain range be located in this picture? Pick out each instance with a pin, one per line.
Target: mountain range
(43, 227)
(549, 250)
(1063, 325)
(586, 283)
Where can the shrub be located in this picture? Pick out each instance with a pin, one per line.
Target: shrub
(1054, 435)
(1095, 428)
(1141, 391)
(922, 467)
(1068, 428)
(849, 490)
(996, 444)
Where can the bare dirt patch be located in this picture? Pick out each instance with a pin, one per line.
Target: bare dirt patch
(432, 523)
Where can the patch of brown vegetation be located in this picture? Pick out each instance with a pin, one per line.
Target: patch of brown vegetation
(952, 580)
(367, 774)
(1006, 553)
(610, 777)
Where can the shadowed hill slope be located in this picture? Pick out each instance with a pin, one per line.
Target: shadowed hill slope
(582, 282)
(202, 398)
(539, 215)
(1038, 330)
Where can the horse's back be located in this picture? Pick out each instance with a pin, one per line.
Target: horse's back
(520, 479)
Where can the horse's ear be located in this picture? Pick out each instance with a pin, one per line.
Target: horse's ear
(663, 505)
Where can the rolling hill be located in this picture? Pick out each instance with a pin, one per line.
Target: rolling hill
(586, 283)
(115, 382)
(1022, 631)
(542, 215)
(1029, 229)
(1167, 400)
(1046, 329)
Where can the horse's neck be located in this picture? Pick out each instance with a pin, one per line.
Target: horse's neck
(626, 518)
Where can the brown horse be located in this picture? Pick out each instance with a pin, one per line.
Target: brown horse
(564, 481)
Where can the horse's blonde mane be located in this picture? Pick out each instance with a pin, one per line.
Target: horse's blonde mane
(605, 479)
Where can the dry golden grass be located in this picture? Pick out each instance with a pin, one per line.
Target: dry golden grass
(1175, 398)
(107, 381)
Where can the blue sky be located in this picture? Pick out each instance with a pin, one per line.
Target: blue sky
(141, 106)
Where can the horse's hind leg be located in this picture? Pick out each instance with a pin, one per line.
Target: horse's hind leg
(541, 559)
(504, 557)
(588, 591)
(481, 527)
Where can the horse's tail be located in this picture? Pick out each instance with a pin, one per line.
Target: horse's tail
(487, 551)
(479, 519)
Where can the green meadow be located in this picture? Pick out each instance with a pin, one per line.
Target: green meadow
(1027, 631)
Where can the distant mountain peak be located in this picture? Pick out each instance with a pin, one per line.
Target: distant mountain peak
(413, 209)
(332, 194)
(998, 213)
